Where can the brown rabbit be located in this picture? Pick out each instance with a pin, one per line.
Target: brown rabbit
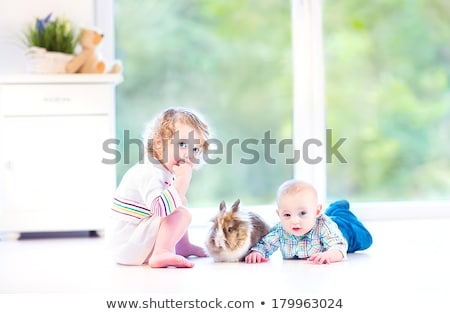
(234, 232)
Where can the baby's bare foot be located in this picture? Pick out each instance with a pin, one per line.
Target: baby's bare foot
(167, 259)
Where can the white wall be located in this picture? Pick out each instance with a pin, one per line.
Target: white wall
(16, 15)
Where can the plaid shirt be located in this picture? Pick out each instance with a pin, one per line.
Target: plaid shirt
(324, 235)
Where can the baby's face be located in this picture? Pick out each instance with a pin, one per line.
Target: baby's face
(184, 147)
(298, 212)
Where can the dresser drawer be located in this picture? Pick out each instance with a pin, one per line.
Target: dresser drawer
(55, 99)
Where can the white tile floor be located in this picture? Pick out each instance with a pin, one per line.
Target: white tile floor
(406, 268)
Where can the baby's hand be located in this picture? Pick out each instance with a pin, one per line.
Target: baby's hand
(320, 258)
(255, 257)
(330, 256)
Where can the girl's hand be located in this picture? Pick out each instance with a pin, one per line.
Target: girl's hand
(183, 168)
(183, 175)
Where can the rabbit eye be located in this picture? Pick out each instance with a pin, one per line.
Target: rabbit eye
(230, 229)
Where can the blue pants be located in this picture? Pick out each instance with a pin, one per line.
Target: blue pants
(358, 237)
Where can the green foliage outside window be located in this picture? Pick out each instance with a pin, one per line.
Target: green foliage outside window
(230, 61)
(388, 93)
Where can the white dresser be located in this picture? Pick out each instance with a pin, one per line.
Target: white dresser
(52, 130)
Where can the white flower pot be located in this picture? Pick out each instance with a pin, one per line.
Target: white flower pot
(42, 61)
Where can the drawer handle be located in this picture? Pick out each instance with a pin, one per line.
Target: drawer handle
(57, 99)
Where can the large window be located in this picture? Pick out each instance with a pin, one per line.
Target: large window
(229, 60)
(376, 72)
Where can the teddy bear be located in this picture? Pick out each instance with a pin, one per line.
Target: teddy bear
(88, 60)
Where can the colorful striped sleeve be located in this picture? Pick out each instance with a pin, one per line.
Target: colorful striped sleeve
(166, 202)
(130, 209)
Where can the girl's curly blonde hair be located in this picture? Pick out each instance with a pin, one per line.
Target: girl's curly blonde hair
(163, 127)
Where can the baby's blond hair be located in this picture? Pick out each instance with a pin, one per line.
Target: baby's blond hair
(295, 186)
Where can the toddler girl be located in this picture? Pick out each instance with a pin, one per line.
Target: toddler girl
(149, 216)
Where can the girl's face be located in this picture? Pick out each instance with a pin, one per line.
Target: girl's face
(185, 146)
(298, 212)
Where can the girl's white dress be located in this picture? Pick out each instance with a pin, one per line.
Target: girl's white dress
(144, 195)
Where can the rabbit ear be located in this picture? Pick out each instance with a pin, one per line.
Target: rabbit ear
(222, 206)
(235, 206)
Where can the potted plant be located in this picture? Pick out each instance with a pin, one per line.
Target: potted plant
(51, 44)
